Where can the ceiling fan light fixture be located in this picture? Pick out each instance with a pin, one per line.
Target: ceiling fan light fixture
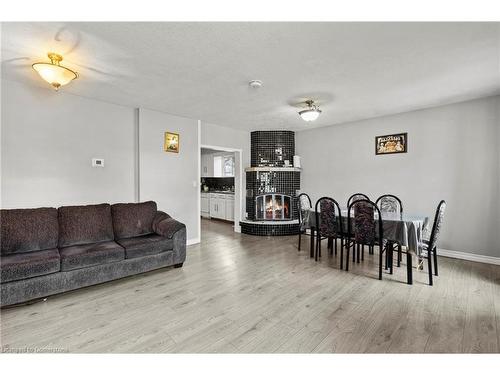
(311, 113)
(53, 72)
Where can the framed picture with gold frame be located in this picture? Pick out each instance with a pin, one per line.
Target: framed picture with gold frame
(171, 143)
(391, 144)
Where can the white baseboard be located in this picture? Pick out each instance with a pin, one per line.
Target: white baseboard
(469, 256)
(193, 241)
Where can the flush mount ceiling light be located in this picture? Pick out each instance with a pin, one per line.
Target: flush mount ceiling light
(311, 113)
(255, 83)
(53, 72)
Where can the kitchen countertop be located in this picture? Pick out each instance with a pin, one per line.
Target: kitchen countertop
(218, 192)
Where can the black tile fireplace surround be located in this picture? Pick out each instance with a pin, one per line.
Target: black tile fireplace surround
(272, 182)
(271, 185)
(272, 148)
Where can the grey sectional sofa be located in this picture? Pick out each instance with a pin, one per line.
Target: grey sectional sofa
(45, 251)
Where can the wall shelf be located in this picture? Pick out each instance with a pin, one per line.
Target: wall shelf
(272, 169)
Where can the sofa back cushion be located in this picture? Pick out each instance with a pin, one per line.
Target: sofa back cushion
(79, 225)
(133, 219)
(25, 230)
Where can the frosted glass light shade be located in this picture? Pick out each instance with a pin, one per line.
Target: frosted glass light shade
(53, 73)
(309, 114)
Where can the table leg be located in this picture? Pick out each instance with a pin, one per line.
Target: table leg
(312, 243)
(409, 267)
(391, 257)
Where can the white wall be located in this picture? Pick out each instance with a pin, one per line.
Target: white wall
(170, 179)
(452, 155)
(215, 135)
(48, 141)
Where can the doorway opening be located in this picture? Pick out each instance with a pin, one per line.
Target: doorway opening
(220, 188)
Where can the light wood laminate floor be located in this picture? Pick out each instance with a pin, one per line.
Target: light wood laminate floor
(240, 293)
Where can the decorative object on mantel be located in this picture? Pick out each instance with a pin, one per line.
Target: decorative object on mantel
(53, 72)
(391, 144)
(311, 113)
(296, 161)
(171, 143)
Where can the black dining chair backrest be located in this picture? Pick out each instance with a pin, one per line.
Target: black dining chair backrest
(436, 227)
(356, 197)
(303, 203)
(389, 203)
(329, 217)
(363, 226)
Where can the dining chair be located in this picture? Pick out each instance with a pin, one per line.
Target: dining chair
(363, 229)
(429, 247)
(304, 205)
(329, 226)
(353, 198)
(391, 204)
(357, 197)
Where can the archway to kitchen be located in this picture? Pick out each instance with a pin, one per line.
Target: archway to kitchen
(221, 190)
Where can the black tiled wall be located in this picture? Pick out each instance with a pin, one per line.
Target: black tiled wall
(272, 148)
(218, 183)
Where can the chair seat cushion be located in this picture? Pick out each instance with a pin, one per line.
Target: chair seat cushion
(146, 245)
(81, 256)
(25, 265)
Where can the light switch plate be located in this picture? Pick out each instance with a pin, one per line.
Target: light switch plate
(98, 162)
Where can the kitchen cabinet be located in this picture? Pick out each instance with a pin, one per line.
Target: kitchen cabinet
(207, 165)
(217, 206)
(222, 206)
(230, 209)
(205, 204)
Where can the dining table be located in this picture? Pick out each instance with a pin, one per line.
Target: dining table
(401, 228)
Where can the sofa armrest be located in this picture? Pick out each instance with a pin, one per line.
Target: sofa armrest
(159, 216)
(167, 227)
(171, 228)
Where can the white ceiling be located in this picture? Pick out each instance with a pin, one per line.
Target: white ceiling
(201, 70)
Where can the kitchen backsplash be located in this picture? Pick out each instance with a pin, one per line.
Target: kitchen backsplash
(218, 183)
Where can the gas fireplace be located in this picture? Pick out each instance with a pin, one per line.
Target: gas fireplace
(273, 207)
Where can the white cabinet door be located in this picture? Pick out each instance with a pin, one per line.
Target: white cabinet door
(218, 208)
(230, 209)
(221, 208)
(205, 205)
(213, 207)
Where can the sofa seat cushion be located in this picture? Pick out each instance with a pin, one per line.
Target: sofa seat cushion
(81, 256)
(25, 265)
(133, 219)
(80, 225)
(146, 245)
(28, 229)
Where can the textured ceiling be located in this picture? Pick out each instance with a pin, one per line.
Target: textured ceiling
(201, 70)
